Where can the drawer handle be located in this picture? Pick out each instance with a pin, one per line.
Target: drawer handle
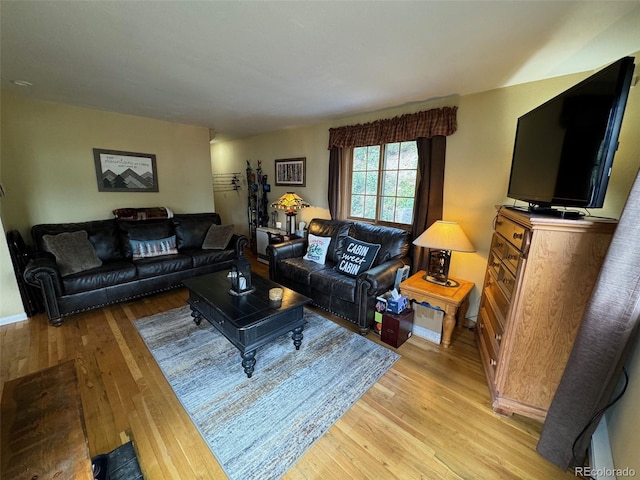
(512, 256)
(495, 264)
(517, 236)
(498, 337)
(492, 362)
(507, 281)
(499, 245)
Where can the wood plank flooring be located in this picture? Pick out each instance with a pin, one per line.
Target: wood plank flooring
(429, 417)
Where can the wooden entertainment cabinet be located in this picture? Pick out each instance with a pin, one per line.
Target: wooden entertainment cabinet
(540, 274)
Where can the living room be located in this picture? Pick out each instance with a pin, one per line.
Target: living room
(48, 174)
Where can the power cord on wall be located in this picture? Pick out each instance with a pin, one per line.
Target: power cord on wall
(596, 417)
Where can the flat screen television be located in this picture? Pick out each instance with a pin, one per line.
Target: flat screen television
(564, 148)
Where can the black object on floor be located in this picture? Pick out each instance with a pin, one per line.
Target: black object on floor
(119, 464)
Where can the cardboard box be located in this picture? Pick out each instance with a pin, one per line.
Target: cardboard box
(428, 321)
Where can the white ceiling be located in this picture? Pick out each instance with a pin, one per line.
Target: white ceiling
(243, 68)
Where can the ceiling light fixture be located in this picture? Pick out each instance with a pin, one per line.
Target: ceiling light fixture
(22, 83)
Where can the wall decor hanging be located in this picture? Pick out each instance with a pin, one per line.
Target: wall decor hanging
(291, 171)
(125, 171)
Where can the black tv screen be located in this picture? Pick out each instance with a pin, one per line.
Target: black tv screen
(564, 148)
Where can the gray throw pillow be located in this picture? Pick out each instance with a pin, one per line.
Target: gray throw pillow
(73, 251)
(217, 237)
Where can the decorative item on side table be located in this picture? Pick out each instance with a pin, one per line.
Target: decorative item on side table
(241, 277)
(291, 203)
(442, 238)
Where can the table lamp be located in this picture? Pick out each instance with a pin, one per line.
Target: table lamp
(441, 238)
(291, 203)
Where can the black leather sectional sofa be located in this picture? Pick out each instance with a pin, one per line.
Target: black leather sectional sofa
(351, 297)
(120, 277)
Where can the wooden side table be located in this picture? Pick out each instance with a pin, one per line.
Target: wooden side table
(453, 300)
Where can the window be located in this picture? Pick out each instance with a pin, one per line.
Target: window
(383, 183)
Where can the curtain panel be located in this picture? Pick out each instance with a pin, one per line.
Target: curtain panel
(426, 124)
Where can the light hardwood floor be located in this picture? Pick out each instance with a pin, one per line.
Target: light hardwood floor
(429, 417)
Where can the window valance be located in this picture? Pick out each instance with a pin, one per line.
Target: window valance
(427, 124)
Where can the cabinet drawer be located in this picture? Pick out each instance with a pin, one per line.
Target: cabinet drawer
(511, 258)
(513, 232)
(492, 336)
(496, 295)
(490, 316)
(494, 263)
(506, 281)
(492, 356)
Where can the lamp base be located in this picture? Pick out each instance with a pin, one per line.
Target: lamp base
(447, 283)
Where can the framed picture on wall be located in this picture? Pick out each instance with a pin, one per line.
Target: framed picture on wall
(125, 171)
(291, 172)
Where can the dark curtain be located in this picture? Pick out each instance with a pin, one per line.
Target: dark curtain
(593, 372)
(335, 174)
(429, 192)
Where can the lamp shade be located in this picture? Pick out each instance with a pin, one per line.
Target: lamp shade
(443, 235)
(290, 201)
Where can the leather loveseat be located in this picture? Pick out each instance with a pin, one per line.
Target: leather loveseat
(350, 295)
(119, 273)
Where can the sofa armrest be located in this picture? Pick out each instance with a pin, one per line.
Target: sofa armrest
(43, 272)
(380, 278)
(280, 251)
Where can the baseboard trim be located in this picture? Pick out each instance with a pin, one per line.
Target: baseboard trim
(601, 459)
(19, 317)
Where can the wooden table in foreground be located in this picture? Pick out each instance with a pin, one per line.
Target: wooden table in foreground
(43, 431)
(453, 300)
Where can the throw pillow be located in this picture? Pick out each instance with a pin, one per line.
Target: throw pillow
(73, 251)
(358, 256)
(153, 248)
(217, 237)
(317, 249)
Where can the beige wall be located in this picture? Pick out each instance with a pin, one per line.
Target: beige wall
(47, 169)
(476, 178)
(49, 173)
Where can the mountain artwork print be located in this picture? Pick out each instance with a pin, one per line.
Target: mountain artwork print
(125, 171)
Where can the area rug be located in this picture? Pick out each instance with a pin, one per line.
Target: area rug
(258, 427)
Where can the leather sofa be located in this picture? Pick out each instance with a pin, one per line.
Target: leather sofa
(347, 296)
(120, 277)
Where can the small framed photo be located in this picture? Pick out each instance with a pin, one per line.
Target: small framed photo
(125, 171)
(291, 172)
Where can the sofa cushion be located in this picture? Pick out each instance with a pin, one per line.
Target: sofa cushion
(334, 283)
(192, 228)
(154, 266)
(217, 237)
(202, 258)
(357, 257)
(317, 248)
(112, 273)
(73, 251)
(153, 248)
(104, 235)
(298, 269)
(394, 242)
(143, 230)
(338, 230)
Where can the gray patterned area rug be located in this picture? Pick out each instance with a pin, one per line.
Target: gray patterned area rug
(258, 427)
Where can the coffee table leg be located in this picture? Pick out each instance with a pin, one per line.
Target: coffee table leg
(248, 361)
(197, 316)
(297, 337)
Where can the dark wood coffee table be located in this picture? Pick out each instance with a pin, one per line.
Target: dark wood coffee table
(247, 321)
